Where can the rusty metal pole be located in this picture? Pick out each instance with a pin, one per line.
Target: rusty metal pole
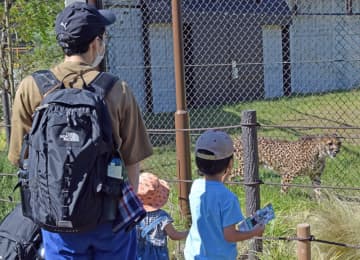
(183, 162)
(303, 247)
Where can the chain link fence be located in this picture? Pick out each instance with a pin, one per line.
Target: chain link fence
(295, 62)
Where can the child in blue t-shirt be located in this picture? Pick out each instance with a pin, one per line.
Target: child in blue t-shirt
(215, 210)
(153, 230)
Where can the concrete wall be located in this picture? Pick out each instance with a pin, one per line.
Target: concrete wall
(273, 58)
(125, 50)
(325, 48)
(162, 68)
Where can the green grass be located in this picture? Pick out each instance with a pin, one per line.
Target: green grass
(334, 219)
(331, 110)
(7, 184)
(290, 208)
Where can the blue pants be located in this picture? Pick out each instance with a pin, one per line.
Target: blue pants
(98, 244)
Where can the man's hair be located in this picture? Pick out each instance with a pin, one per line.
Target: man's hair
(70, 49)
(211, 167)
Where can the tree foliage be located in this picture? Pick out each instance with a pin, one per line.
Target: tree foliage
(32, 27)
(27, 43)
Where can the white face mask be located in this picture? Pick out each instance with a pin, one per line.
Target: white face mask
(99, 56)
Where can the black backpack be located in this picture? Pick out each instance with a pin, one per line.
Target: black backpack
(69, 148)
(20, 238)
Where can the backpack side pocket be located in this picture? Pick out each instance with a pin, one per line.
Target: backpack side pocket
(23, 175)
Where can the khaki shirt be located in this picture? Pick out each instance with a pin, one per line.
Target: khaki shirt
(127, 124)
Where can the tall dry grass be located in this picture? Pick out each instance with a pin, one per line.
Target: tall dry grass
(336, 219)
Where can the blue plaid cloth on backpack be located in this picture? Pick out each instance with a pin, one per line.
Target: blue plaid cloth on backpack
(131, 210)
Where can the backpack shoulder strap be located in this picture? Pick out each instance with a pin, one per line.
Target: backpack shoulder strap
(45, 80)
(103, 83)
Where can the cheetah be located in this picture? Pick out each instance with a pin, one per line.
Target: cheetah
(304, 157)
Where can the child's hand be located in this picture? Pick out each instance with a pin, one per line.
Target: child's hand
(174, 234)
(258, 230)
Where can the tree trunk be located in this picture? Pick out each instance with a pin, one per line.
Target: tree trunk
(4, 59)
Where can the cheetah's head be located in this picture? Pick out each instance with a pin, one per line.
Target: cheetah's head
(330, 145)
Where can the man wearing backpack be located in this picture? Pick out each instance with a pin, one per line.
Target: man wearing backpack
(80, 31)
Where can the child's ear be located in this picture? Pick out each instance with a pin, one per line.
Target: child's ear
(228, 170)
(231, 163)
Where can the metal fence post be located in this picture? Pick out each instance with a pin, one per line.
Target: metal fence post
(251, 171)
(183, 161)
(303, 247)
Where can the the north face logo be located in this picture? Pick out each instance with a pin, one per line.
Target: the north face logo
(70, 137)
(69, 146)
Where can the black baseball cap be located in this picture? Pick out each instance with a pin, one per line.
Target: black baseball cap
(79, 23)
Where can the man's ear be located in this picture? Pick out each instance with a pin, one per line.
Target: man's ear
(92, 44)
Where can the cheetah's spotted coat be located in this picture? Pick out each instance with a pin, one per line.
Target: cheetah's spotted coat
(290, 159)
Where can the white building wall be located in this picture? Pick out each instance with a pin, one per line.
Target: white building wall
(273, 67)
(325, 49)
(125, 57)
(320, 6)
(356, 6)
(162, 68)
(312, 49)
(348, 52)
